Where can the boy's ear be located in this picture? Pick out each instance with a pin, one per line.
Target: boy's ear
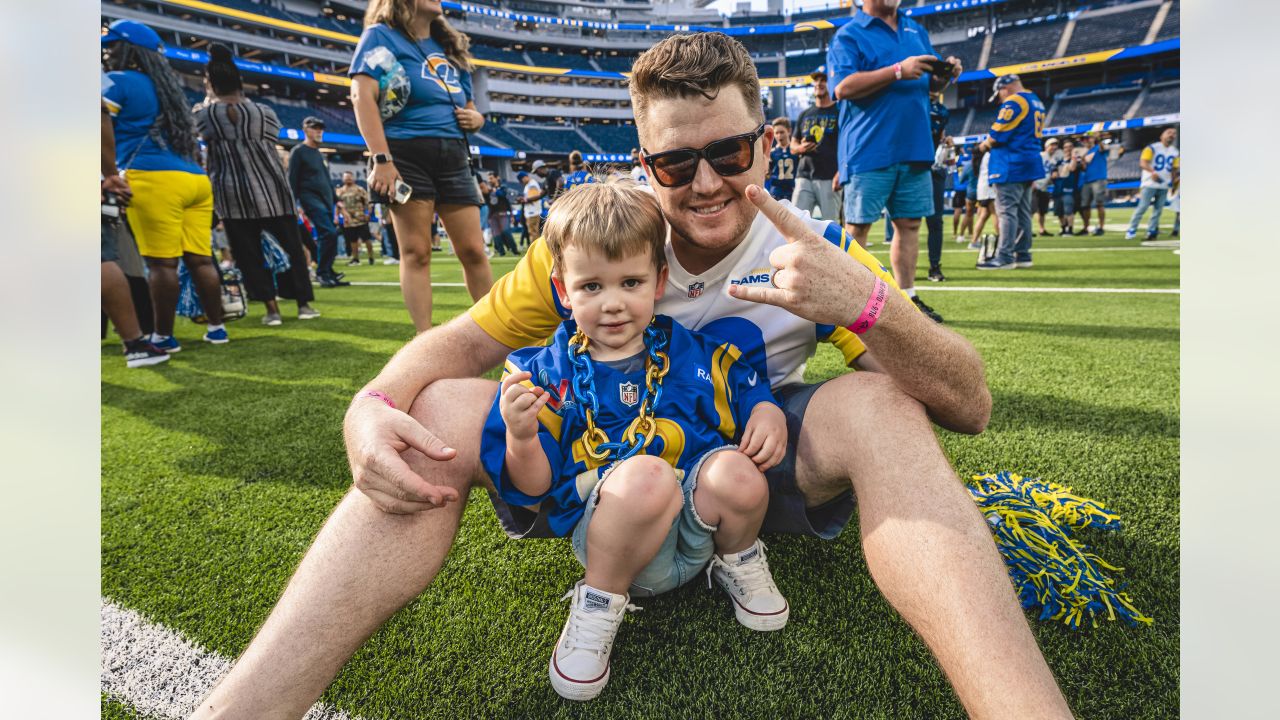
(558, 282)
(662, 282)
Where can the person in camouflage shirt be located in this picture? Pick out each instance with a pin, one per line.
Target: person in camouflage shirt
(353, 205)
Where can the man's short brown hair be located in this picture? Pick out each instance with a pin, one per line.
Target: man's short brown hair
(615, 217)
(682, 66)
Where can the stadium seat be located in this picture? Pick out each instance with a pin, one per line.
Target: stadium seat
(1161, 100)
(1116, 30)
(1021, 43)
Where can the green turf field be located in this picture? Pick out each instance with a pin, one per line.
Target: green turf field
(219, 467)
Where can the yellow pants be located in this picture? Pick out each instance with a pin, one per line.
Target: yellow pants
(171, 212)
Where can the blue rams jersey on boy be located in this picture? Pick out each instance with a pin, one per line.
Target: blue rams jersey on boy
(436, 87)
(782, 173)
(1016, 155)
(707, 397)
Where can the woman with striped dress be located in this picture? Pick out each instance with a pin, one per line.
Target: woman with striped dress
(250, 191)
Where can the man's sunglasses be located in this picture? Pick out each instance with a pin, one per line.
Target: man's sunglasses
(727, 156)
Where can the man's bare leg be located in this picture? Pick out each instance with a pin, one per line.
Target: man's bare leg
(927, 546)
(364, 565)
(905, 253)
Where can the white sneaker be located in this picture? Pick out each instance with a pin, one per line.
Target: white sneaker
(390, 261)
(1129, 235)
(745, 575)
(579, 666)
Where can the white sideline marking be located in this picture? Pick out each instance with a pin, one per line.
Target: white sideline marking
(932, 288)
(158, 672)
(959, 288)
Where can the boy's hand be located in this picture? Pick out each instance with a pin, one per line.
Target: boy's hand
(519, 406)
(765, 438)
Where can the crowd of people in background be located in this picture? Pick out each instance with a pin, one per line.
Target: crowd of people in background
(872, 145)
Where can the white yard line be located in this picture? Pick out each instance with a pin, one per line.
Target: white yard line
(932, 287)
(158, 672)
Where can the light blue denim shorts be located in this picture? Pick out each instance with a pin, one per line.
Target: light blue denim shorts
(686, 550)
(905, 189)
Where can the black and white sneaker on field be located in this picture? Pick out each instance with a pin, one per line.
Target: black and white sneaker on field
(142, 353)
(928, 311)
(935, 274)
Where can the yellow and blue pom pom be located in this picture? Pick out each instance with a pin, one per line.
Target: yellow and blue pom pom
(1031, 519)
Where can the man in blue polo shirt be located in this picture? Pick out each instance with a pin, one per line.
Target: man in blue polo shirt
(1093, 184)
(1014, 143)
(882, 68)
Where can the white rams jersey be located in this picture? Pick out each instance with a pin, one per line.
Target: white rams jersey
(522, 308)
(1163, 159)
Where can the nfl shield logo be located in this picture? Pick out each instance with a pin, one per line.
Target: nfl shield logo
(629, 394)
(696, 289)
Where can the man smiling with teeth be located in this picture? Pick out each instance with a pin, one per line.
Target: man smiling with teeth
(863, 435)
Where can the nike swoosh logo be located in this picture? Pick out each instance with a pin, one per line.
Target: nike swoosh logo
(752, 380)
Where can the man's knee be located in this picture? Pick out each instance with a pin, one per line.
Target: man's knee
(454, 411)
(646, 486)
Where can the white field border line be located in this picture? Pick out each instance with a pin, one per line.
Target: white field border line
(931, 288)
(159, 673)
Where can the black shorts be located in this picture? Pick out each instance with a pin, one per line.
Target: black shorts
(356, 233)
(958, 197)
(437, 169)
(787, 512)
(1042, 201)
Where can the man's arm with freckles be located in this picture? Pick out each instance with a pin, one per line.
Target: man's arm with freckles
(932, 364)
(376, 434)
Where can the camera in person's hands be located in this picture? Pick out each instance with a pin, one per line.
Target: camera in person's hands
(112, 205)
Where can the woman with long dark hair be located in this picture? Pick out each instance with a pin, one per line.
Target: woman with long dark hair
(171, 214)
(251, 193)
(411, 91)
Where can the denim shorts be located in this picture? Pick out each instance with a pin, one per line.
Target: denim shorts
(684, 553)
(905, 189)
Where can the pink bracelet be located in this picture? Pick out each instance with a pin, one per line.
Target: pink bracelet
(875, 304)
(380, 395)
(897, 71)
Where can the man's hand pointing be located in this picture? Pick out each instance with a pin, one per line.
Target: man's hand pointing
(812, 278)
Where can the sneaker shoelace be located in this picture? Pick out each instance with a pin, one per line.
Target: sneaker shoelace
(752, 576)
(593, 631)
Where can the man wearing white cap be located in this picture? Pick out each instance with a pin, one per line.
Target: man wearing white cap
(1014, 144)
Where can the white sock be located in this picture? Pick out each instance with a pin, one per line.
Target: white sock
(157, 337)
(911, 292)
(213, 328)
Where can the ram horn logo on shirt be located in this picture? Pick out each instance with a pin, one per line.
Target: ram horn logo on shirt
(695, 290)
(629, 394)
(438, 70)
(816, 132)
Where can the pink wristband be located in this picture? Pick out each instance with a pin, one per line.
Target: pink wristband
(871, 313)
(897, 71)
(380, 395)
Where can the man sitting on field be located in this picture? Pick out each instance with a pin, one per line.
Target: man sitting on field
(747, 269)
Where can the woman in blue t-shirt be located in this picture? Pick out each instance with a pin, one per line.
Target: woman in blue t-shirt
(411, 91)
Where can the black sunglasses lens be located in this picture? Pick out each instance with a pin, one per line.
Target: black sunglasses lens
(676, 168)
(730, 157)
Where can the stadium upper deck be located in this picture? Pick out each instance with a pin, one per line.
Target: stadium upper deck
(560, 61)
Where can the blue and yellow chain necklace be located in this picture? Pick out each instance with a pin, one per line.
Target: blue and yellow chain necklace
(642, 430)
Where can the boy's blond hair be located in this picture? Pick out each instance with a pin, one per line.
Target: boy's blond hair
(615, 217)
(782, 122)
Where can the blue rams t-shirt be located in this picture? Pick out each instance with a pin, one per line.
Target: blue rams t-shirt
(436, 87)
(1097, 168)
(782, 173)
(891, 125)
(130, 97)
(707, 398)
(1015, 157)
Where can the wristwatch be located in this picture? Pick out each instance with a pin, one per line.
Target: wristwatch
(381, 158)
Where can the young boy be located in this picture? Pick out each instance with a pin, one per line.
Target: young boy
(781, 182)
(645, 442)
